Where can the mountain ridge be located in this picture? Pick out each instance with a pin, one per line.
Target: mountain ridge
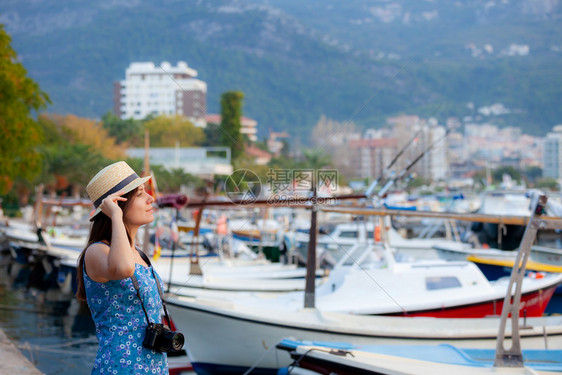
(291, 68)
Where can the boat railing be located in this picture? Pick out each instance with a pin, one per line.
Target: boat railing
(512, 356)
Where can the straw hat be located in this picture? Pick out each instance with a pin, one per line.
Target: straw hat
(113, 178)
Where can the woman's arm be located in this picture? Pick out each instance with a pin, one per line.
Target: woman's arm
(117, 261)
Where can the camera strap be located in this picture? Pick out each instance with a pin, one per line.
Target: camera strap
(136, 285)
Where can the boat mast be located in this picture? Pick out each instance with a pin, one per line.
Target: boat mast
(310, 286)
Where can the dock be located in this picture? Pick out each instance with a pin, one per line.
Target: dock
(12, 361)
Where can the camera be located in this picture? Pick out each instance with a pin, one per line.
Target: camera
(158, 337)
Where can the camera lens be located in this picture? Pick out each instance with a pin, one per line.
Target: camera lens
(177, 341)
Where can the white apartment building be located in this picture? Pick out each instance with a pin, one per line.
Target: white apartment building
(371, 156)
(422, 134)
(161, 90)
(552, 155)
(436, 164)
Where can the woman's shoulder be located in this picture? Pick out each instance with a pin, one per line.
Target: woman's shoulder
(96, 249)
(98, 245)
(103, 243)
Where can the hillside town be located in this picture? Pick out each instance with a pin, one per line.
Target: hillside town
(460, 147)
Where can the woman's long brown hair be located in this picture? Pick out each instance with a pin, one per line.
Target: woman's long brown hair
(100, 231)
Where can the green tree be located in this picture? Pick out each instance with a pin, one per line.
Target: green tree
(286, 150)
(212, 135)
(128, 131)
(532, 173)
(497, 174)
(547, 183)
(170, 181)
(231, 113)
(417, 182)
(70, 159)
(71, 166)
(87, 131)
(21, 135)
(284, 163)
(245, 161)
(316, 159)
(480, 178)
(166, 131)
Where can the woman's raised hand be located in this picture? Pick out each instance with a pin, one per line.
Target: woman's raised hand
(110, 207)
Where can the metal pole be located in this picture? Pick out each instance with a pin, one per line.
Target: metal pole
(513, 356)
(173, 252)
(194, 266)
(309, 292)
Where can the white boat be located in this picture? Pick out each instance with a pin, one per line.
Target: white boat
(547, 255)
(516, 203)
(539, 254)
(224, 337)
(232, 275)
(509, 203)
(337, 239)
(315, 358)
(376, 284)
(447, 252)
(496, 263)
(257, 232)
(23, 232)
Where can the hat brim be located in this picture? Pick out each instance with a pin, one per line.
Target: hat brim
(130, 187)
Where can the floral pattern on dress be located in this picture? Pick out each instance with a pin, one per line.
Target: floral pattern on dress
(121, 323)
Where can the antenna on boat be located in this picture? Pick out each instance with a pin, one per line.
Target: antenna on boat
(372, 187)
(513, 356)
(403, 173)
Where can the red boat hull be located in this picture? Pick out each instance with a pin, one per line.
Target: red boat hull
(532, 304)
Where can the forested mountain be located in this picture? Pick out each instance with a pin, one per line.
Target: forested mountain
(295, 60)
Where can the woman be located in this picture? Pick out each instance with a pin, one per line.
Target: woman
(105, 268)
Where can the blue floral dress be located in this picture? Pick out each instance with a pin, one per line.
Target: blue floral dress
(121, 324)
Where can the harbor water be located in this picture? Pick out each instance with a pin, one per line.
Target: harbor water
(51, 328)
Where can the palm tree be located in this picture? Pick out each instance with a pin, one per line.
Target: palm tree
(316, 159)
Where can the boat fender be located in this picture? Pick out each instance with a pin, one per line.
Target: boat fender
(377, 233)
